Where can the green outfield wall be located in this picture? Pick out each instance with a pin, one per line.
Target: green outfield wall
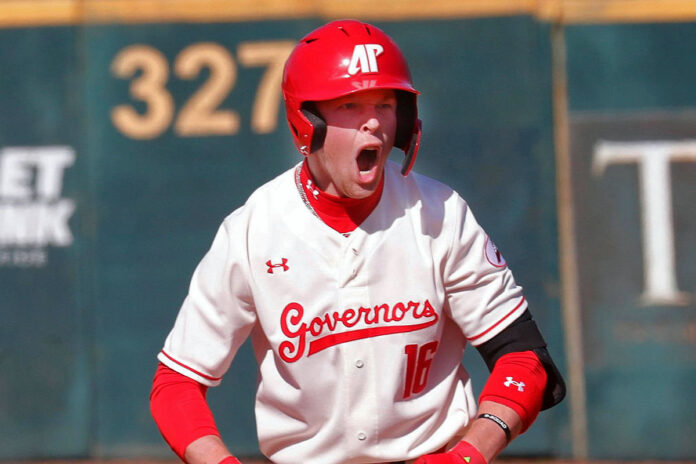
(632, 121)
(115, 174)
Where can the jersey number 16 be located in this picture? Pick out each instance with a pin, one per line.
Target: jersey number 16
(418, 361)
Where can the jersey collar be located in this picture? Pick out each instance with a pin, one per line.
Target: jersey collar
(341, 214)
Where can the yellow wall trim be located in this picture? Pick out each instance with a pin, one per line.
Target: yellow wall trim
(616, 11)
(27, 13)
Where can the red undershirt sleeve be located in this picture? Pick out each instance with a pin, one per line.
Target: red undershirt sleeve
(518, 380)
(179, 408)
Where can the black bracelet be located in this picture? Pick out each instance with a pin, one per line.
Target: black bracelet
(498, 421)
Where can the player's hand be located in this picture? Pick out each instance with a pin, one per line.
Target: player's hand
(463, 453)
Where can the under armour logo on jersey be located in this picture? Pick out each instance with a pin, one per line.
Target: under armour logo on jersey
(364, 59)
(281, 263)
(312, 190)
(510, 381)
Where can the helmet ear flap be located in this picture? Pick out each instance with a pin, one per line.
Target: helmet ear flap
(406, 116)
(408, 128)
(311, 112)
(412, 150)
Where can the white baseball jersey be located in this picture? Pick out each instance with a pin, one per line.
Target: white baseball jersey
(359, 339)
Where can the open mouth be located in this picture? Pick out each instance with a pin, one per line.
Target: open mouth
(367, 159)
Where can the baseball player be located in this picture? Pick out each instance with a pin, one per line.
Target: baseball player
(360, 286)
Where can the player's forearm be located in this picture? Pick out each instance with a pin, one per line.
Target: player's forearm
(206, 450)
(182, 414)
(487, 436)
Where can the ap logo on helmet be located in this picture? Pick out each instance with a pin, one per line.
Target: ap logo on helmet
(364, 59)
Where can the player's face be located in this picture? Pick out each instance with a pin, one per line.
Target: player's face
(359, 136)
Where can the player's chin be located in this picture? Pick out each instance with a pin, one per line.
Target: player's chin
(358, 193)
(363, 189)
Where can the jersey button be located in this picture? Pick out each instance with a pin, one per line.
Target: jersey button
(359, 363)
(355, 251)
(362, 436)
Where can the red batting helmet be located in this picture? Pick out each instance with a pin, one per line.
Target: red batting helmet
(341, 58)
